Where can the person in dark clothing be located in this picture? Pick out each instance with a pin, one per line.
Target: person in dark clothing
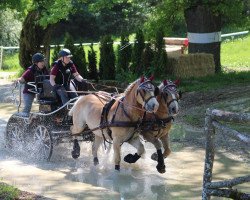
(36, 69)
(60, 76)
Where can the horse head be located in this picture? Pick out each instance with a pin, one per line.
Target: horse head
(145, 94)
(170, 95)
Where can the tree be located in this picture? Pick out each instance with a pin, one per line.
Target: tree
(31, 39)
(201, 16)
(107, 59)
(80, 61)
(147, 59)
(93, 74)
(124, 55)
(10, 28)
(69, 44)
(56, 52)
(160, 55)
(139, 45)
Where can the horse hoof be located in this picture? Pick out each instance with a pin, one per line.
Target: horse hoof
(117, 167)
(131, 158)
(161, 169)
(76, 150)
(154, 157)
(96, 161)
(75, 154)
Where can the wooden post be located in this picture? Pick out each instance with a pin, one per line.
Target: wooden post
(209, 156)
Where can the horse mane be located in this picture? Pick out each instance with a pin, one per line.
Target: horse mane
(161, 86)
(130, 87)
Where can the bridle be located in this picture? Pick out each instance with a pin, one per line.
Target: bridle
(171, 89)
(147, 88)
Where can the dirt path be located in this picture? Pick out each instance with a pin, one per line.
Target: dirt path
(65, 178)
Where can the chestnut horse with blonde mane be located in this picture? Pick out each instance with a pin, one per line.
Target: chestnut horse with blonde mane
(122, 118)
(160, 123)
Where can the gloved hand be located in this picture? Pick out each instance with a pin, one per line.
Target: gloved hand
(84, 81)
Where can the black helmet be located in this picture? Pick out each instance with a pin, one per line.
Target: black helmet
(38, 57)
(65, 52)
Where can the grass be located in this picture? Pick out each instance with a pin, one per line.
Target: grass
(216, 81)
(8, 192)
(235, 54)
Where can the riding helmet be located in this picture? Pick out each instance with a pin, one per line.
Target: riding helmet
(38, 57)
(65, 53)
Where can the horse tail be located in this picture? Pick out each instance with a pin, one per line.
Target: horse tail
(70, 113)
(72, 110)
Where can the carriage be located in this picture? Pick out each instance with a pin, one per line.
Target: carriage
(40, 131)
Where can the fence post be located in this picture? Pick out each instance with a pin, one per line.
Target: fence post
(209, 156)
(1, 56)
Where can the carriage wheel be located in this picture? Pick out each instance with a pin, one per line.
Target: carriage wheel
(14, 136)
(43, 145)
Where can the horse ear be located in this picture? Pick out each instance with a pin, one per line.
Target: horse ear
(165, 82)
(151, 78)
(177, 82)
(142, 79)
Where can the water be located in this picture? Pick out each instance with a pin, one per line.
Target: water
(67, 179)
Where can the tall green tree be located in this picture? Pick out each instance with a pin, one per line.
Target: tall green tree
(55, 53)
(80, 61)
(93, 73)
(69, 44)
(124, 55)
(147, 60)
(139, 46)
(160, 55)
(107, 59)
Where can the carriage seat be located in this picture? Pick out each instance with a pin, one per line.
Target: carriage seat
(46, 95)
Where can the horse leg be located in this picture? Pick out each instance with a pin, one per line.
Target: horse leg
(160, 166)
(77, 127)
(76, 149)
(166, 145)
(95, 146)
(135, 142)
(156, 156)
(117, 153)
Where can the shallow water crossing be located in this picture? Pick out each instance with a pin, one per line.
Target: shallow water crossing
(67, 179)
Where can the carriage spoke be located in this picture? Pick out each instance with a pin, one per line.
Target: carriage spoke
(43, 142)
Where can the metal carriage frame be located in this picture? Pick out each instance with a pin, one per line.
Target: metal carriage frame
(40, 131)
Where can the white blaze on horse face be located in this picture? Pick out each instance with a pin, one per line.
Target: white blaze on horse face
(152, 104)
(147, 99)
(173, 106)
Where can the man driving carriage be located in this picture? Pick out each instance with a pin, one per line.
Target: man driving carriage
(61, 74)
(36, 69)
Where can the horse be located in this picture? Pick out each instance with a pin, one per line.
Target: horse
(159, 123)
(118, 123)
